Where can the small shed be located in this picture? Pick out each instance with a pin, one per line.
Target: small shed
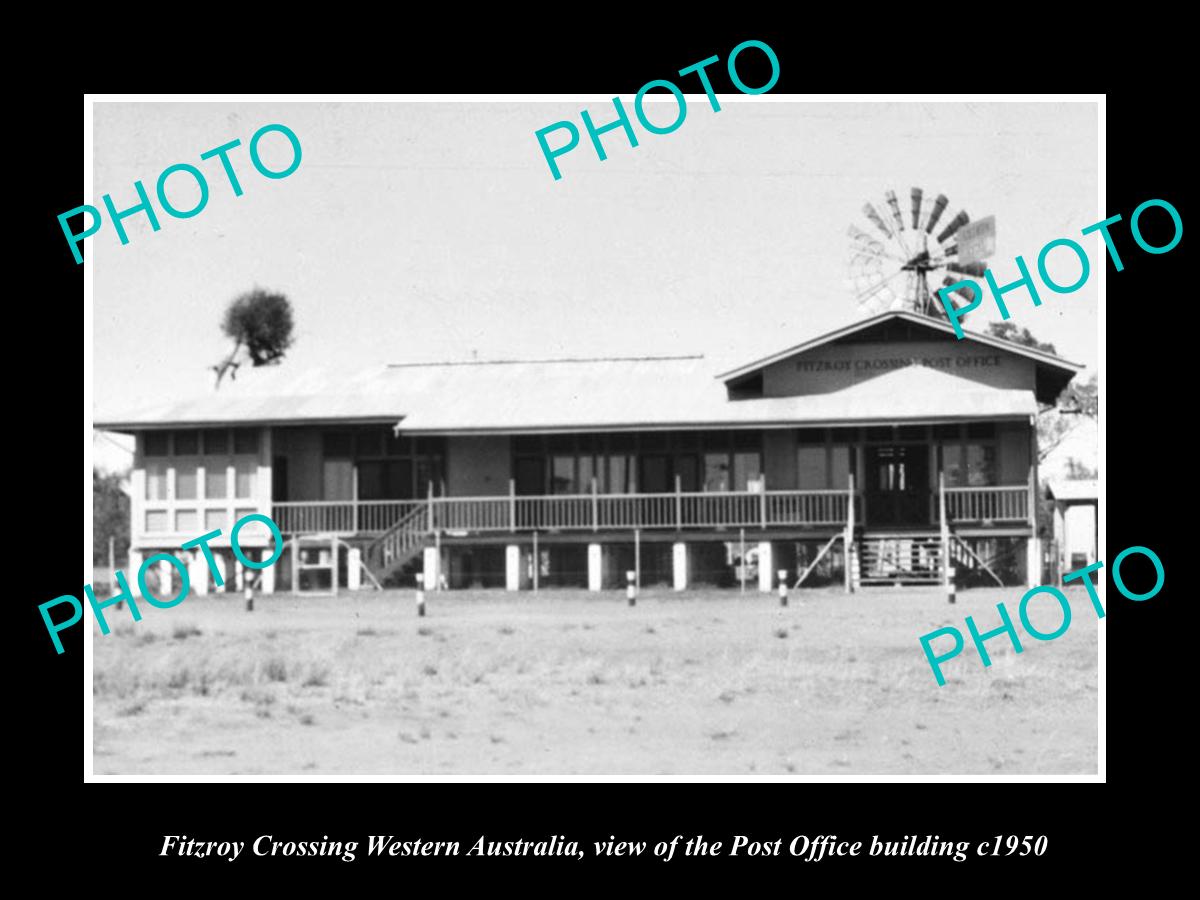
(1076, 522)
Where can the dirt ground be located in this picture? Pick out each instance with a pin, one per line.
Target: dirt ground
(566, 682)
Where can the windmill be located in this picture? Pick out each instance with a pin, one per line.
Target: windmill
(892, 266)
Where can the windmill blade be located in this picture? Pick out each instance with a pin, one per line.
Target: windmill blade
(966, 293)
(939, 205)
(895, 205)
(870, 213)
(972, 268)
(956, 223)
(916, 206)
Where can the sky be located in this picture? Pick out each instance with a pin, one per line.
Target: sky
(435, 231)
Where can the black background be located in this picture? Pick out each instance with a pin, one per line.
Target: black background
(1149, 409)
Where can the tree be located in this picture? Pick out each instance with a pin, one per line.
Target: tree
(1007, 331)
(1058, 419)
(259, 322)
(110, 516)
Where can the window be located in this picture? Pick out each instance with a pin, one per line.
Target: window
(246, 476)
(620, 475)
(820, 468)
(337, 479)
(952, 465)
(981, 464)
(969, 465)
(156, 481)
(187, 443)
(810, 461)
(747, 471)
(839, 466)
(154, 443)
(562, 475)
(185, 482)
(156, 520)
(215, 519)
(716, 471)
(245, 440)
(187, 521)
(587, 471)
(216, 484)
(216, 442)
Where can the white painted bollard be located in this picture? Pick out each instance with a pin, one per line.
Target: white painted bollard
(354, 568)
(420, 594)
(631, 586)
(512, 567)
(432, 567)
(766, 566)
(679, 565)
(950, 573)
(266, 582)
(595, 571)
(783, 587)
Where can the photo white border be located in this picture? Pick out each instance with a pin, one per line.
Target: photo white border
(90, 100)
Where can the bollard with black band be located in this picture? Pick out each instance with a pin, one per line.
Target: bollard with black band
(420, 594)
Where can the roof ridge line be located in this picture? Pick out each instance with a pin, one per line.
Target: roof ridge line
(563, 359)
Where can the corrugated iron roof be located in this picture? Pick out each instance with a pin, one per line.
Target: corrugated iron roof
(1079, 490)
(547, 395)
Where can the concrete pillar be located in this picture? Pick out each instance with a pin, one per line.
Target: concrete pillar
(239, 575)
(766, 566)
(165, 575)
(679, 565)
(512, 567)
(595, 556)
(268, 574)
(432, 568)
(135, 566)
(354, 568)
(1033, 562)
(197, 567)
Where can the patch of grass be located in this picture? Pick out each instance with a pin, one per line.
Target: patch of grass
(596, 678)
(429, 670)
(132, 709)
(275, 669)
(366, 632)
(781, 633)
(504, 629)
(318, 676)
(183, 632)
(307, 719)
(425, 632)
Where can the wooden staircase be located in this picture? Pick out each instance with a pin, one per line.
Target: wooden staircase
(897, 558)
(399, 546)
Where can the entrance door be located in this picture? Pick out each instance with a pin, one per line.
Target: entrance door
(898, 486)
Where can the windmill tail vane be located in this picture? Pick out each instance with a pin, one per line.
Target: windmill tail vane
(891, 265)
